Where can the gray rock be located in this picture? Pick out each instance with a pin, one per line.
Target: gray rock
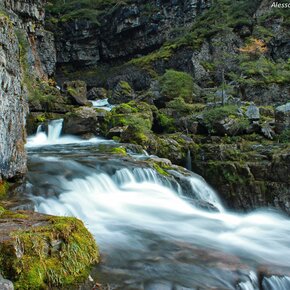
(282, 118)
(84, 121)
(77, 91)
(97, 94)
(5, 284)
(13, 105)
(253, 113)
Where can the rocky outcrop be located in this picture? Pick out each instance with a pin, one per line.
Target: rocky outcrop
(246, 173)
(13, 104)
(28, 17)
(121, 32)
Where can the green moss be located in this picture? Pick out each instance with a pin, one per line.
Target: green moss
(216, 114)
(70, 10)
(4, 187)
(179, 105)
(174, 84)
(44, 264)
(119, 151)
(159, 169)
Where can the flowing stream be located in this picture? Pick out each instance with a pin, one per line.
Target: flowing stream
(155, 231)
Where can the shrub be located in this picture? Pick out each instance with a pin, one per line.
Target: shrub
(176, 84)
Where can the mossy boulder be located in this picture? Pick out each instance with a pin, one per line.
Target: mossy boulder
(122, 93)
(176, 84)
(77, 92)
(42, 252)
(84, 121)
(225, 120)
(135, 119)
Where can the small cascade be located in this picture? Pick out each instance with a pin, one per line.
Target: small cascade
(54, 130)
(53, 136)
(204, 192)
(102, 104)
(188, 162)
(275, 283)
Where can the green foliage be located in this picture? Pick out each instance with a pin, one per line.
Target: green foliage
(179, 105)
(166, 123)
(42, 266)
(262, 71)
(284, 137)
(176, 84)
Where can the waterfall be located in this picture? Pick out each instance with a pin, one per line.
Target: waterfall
(53, 136)
(275, 282)
(188, 165)
(150, 226)
(54, 130)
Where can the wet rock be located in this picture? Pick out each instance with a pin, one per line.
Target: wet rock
(77, 91)
(116, 131)
(82, 121)
(97, 94)
(282, 118)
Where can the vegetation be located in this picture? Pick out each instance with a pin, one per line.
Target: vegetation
(4, 187)
(81, 9)
(176, 84)
(57, 252)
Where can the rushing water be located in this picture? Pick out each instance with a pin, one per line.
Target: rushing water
(154, 232)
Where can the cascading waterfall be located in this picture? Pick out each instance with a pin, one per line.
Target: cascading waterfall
(150, 228)
(53, 136)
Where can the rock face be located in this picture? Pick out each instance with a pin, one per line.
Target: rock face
(247, 174)
(13, 105)
(28, 17)
(124, 31)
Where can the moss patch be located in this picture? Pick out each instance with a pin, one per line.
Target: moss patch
(45, 251)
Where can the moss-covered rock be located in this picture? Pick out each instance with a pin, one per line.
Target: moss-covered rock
(136, 119)
(122, 93)
(41, 252)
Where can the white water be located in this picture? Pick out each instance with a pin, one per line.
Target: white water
(121, 209)
(53, 136)
(99, 201)
(102, 104)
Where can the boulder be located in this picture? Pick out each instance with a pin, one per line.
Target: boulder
(282, 118)
(253, 113)
(5, 284)
(97, 94)
(40, 251)
(122, 93)
(83, 121)
(77, 91)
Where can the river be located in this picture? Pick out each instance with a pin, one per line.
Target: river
(155, 231)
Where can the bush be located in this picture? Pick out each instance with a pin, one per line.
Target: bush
(176, 84)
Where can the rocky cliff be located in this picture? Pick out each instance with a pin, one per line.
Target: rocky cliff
(13, 104)
(27, 52)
